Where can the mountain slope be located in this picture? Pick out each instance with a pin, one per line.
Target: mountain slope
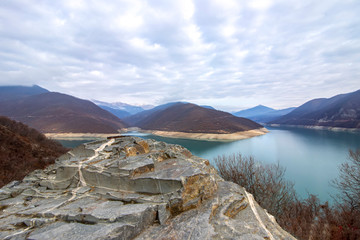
(117, 112)
(15, 92)
(339, 111)
(137, 119)
(258, 110)
(271, 116)
(130, 109)
(190, 118)
(263, 114)
(206, 106)
(58, 113)
(23, 150)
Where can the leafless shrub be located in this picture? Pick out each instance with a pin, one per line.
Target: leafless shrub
(307, 218)
(349, 182)
(348, 201)
(265, 182)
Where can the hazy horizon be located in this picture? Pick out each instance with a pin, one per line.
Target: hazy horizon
(231, 55)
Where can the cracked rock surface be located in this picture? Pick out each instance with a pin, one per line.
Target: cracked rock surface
(131, 188)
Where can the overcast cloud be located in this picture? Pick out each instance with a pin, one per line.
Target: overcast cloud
(228, 54)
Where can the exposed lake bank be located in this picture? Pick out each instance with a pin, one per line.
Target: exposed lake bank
(209, 136)
(79, 136)
(335, 129)
(168, 134)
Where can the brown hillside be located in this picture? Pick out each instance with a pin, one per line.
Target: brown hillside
(57, 113)
(339, 111)
(190, 118)
(23, 149)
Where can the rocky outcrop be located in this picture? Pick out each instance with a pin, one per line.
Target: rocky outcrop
(130, 188)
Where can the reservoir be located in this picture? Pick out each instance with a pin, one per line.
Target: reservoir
(311, 157)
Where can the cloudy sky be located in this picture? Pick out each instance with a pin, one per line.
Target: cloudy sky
(225, 53)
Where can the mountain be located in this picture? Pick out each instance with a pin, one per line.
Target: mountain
(15, 92)
(191, 118)
(60, 113)
(136, 119)
(258, 110)
(271, 116)
(23, 150)
(117, 112)
(206, 106)
(339, 111)
(126, 108)
(263, 114)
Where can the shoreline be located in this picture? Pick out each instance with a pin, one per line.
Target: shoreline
(80, 136)
(210, 136)
(183, 135)
(333, 129)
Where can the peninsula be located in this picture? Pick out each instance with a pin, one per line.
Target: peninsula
(190, 121)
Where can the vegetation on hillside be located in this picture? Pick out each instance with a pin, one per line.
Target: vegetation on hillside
(23, 149)
(304, 218)
(60, 113)
(339, 111)
(191, 118)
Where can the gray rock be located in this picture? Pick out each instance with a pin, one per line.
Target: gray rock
(130, 188)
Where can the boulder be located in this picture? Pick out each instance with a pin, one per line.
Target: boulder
(130, 188)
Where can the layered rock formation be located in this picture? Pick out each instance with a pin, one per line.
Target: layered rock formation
(130, 188)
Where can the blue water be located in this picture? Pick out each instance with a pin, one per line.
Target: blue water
(311, 157)
(73, 143)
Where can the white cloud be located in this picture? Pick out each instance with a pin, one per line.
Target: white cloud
(187, 8)
(143, 45)
(260, 4)
(219, 52)
(129, 22)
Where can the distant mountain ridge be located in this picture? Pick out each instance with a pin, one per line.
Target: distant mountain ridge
(259, 109)
(132, 109)
(191, 118)
(207, 106)
(15, 92)
(137, 119)
(52, 112)
(262, 114)
(117, 112)
(339, 111)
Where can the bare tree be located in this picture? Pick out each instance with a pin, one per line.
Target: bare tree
(349, 182)
(265, 182)
(304, 218)
(348, 201)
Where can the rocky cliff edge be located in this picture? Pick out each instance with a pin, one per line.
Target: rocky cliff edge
(130, 188)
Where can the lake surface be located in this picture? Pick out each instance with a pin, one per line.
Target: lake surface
(311, 157)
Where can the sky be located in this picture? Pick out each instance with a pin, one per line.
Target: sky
(228, 54)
